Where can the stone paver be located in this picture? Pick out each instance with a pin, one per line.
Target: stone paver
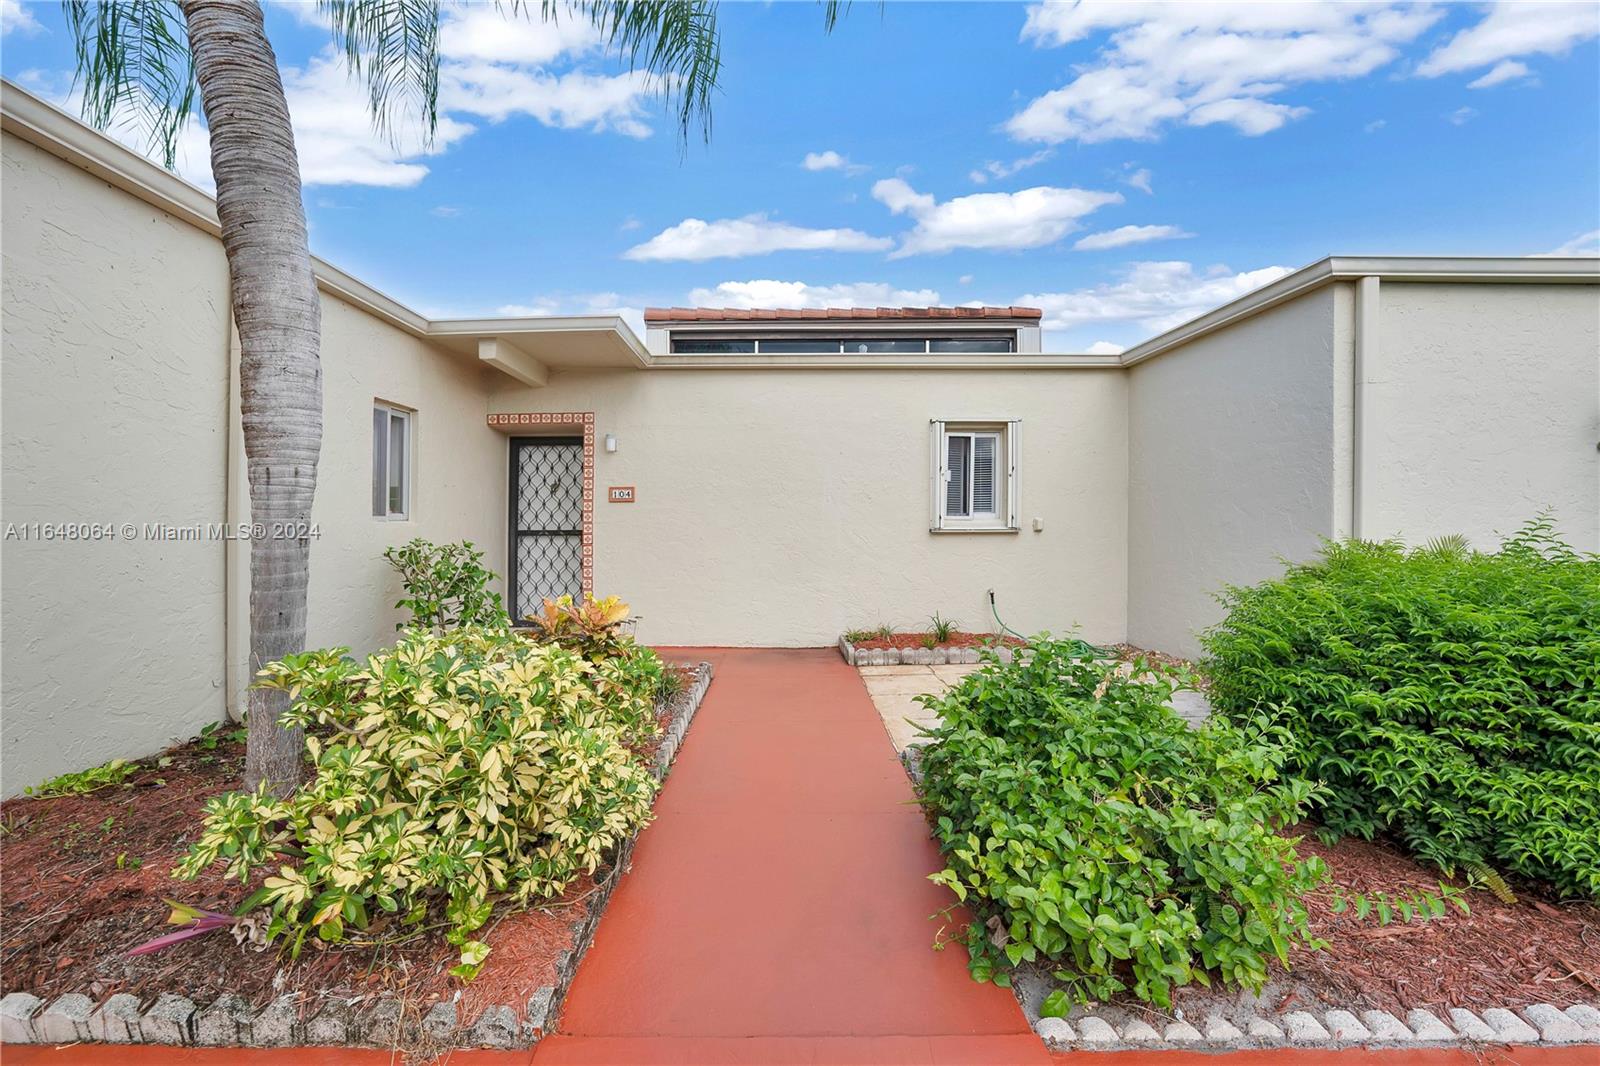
(1303, 1028)
(1554, 1027)
(1508, 1028)
(1470, 1026)
(1346, 1027)
(1095, 1032)
(1427, 1026)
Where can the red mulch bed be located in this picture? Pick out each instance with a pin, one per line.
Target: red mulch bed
(70, 911)
(957, 640)
(1536, 950)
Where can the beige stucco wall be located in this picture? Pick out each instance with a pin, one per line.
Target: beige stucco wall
(115, 410)
(1483, 407)
(117, 407)
(458, 473)
(783, 506)
(1232, 461)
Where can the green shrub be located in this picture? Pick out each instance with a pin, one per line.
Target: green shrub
(445, 585)
(456, 771)
(1446, 696)
(1085, 824)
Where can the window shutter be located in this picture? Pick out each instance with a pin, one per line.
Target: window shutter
(937, 477)
(985, 472)
(380, 462)
(1014, 479)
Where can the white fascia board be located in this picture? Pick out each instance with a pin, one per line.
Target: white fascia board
(1457, 269)
(886, 361)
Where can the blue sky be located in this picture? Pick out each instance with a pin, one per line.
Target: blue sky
(1123, 166)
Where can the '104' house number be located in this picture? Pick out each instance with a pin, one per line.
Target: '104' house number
(620, 493)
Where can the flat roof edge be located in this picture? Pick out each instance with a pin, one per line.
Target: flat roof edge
(1582, 270)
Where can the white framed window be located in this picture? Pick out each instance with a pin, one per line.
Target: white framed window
(391, 461)
(974, 487)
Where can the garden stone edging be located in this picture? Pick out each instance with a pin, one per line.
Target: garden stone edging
(1229, 1030)
(231, 1022)
(915, 656)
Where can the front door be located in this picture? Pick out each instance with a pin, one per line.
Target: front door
(546, 521)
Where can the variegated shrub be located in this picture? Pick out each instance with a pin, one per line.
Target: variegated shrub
(453, 772)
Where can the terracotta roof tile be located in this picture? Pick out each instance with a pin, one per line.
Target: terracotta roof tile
(765, 314)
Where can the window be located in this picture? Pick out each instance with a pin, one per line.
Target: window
(834, 344)
(970, 344)
(391, 462)
(975, 483)
(710, 346)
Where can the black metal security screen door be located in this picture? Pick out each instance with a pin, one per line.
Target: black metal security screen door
(546, 521)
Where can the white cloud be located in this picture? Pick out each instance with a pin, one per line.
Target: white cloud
(696, 239)
(1461, 116)
(1139, 179)
(496, 65)
(481, 33)
(797, 294)
(334, 136)
(1104, 348)
(1156, 296)
(492, 66)
(1502, 72)
(1375, 125)
(1029, 218)
(1523, 28)
(445, 211)
(333, 133)
(1584, 244)
(1126, 235)
(16, 18)
(965, 279)
(994, 170)
(573, 100)
(1202, 64)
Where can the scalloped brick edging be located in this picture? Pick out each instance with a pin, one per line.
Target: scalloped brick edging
(915, 656)
(1226, 1030)
(231, 1021)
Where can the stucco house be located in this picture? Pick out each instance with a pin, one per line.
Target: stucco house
(740, 477)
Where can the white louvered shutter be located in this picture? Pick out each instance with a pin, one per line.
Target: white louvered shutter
(1013, 479)
(937, 480)
(985, 473)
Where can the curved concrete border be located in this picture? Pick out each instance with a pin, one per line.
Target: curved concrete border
(1541, 1023)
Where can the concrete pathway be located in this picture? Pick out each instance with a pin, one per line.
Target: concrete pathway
(778, 910)
(894, 691)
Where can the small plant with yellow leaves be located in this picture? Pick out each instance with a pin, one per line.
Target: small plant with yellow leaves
(454, 772)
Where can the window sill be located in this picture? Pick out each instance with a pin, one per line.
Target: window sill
(976, 529)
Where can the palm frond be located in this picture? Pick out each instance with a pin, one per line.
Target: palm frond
(394, 46)
(676, 41)
(133, 64)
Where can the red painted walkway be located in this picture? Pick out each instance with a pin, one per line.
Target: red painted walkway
(777, 909)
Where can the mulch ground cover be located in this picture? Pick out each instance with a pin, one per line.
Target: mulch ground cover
(83, 879)
(921, 640)
(1538, 949)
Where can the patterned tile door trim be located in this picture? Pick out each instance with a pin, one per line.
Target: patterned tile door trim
(575, 421)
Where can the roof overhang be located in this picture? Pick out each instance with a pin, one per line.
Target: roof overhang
(583, 342)
(1404, 268)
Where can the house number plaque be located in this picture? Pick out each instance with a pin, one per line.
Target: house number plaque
(620, 493)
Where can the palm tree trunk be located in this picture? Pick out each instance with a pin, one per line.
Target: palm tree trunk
(276, 310)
